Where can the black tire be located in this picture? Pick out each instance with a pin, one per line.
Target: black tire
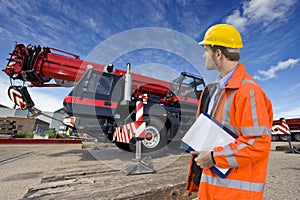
(297, 137)
(158, 132)
(274, 137)
(284, 137)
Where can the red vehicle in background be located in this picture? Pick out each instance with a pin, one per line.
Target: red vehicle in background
(282, 128)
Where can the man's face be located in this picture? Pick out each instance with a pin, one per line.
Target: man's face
(209, 56)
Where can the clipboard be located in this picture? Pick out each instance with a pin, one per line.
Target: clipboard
(212, 134)
(232, 134)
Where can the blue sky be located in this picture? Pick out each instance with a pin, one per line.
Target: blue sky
(270, 31)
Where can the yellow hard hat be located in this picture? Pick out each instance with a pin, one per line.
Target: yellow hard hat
(223, 35)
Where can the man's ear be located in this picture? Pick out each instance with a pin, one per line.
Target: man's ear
(218, 54)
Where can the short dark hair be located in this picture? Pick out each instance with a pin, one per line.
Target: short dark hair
(232, 56)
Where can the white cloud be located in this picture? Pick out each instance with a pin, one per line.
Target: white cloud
(293, 89)
(92, 23)
(264, 75)
(237, 20)
(262, 12)
(46, 101)
(165, 72)
(292, 113)
(268, 10)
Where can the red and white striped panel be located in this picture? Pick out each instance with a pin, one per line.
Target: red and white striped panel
(127, 132)
(285, 126)
(140, 129)
(281, 129)
(120, 135)
(139, 111)
(145, 98)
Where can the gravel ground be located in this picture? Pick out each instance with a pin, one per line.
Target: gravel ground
(283, 176)
(23, 166)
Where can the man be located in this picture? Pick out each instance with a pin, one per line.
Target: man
(239, 103)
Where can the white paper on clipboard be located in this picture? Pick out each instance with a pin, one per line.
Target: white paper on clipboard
(206, 134)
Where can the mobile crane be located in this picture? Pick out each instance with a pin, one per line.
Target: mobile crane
(109, 96)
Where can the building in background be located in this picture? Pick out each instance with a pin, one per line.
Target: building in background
(28, 125)
(6, 112)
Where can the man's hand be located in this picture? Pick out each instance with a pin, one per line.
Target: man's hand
(204, 159)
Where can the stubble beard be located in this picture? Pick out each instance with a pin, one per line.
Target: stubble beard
(210, 63)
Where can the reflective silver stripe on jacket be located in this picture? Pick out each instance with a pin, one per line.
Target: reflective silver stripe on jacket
(234, 184)
(249, 81)
(229, 154)
(256, 130)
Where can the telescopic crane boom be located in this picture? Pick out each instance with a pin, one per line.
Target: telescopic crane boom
(39, 65)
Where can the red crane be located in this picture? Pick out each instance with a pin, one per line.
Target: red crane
(169, 108)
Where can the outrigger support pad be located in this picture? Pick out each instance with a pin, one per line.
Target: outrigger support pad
(292, 148)
(143, 166)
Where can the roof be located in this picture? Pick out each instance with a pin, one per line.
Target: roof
(61, 110)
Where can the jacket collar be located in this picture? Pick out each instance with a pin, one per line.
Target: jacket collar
(237, 78)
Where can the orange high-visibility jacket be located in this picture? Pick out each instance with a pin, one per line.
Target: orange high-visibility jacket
(244, 108)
